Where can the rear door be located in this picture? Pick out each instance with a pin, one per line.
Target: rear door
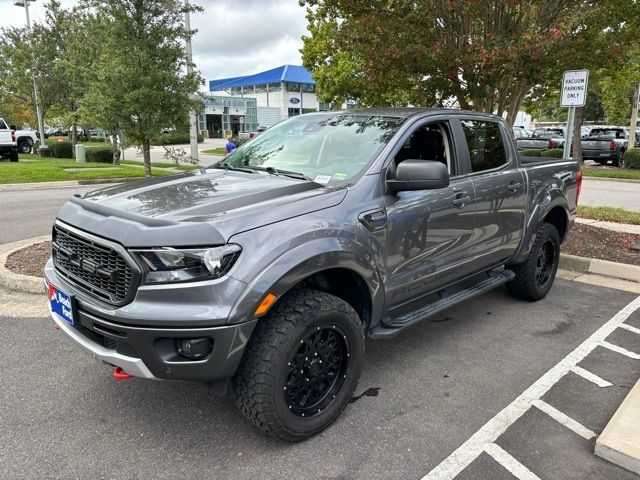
(500, 190)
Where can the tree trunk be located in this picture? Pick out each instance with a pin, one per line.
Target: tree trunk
(88, 134)
(577, 135)
(146, 155)
(115, 151)
(634, 118)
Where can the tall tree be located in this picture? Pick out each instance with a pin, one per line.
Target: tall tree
(484, 54)
(139, 82)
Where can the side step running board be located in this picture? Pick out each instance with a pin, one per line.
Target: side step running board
(390, 327)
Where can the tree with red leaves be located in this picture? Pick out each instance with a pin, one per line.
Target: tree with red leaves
(485, 55)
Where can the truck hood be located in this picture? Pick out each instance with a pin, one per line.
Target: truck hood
(202, 207)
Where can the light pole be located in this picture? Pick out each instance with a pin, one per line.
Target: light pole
(42, 148)
(193, 125)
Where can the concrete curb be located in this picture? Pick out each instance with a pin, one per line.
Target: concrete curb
(600, 267)
(619, 442)
(616, 227)
(611, 179)
(13, 281)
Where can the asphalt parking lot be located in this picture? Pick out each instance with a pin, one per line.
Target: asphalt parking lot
(431, 407)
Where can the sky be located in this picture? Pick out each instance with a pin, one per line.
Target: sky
(235, 37)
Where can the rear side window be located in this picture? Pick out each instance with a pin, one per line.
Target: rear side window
(3, 126)
(486, 146)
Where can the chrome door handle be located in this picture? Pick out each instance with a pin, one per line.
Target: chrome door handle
(461, 200)
(514, 187)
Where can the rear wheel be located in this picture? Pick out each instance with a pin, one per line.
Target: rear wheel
(619, 162)
(301, 366)
(534, 277)
(24, 146)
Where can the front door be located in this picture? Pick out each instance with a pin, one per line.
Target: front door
(428, 230)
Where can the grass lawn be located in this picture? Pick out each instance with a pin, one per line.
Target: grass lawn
(216, 151)
(164, 165)
(32, 168)
(609, 214)
(611, 173)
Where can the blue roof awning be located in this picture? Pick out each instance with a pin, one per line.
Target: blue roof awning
(285, 73)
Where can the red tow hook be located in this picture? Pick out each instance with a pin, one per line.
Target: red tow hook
(120, 374)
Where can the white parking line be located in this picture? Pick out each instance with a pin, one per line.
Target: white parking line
(631, 328)
(592, 377)
(490, 431)
(620, 350)
(505, 459)
(565, 420)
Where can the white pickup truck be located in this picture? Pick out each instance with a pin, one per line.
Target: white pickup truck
(8, 142)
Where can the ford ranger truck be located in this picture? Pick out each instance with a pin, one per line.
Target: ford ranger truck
(262, 275)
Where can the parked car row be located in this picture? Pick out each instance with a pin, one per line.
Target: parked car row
(602, 144)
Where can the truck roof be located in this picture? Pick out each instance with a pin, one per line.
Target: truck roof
(406, 112)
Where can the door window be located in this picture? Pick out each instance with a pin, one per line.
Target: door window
(486, 146)
(428, 142)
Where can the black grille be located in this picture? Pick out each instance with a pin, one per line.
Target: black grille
(109, 343)
(96, 268)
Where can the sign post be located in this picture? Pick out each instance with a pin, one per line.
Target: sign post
(574, 94)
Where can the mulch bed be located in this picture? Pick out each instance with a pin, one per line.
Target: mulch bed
(593, 242)
(30, 260)
(583, 240)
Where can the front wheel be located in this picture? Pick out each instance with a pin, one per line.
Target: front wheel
(301, 366)
(534, 277)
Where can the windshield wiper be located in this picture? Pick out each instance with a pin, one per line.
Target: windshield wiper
(226, 166)
(284, 173)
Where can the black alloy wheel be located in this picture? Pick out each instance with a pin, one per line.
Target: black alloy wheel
(545, 264)
(316, 371)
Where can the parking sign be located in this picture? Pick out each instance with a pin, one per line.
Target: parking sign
(574, 88)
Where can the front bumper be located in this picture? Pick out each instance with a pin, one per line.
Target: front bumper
(144, 349)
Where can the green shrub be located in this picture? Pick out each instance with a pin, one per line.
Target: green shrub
(553, 153)
(530, 153)
(98, 139)
(632, 158)
(99, 155)
(61, 149)
(173, 138)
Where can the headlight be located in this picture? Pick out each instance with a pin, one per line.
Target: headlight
(169, 265)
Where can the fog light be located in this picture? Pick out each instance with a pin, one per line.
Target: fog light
(195, 348)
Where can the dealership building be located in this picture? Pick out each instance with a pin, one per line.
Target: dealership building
(261, 99)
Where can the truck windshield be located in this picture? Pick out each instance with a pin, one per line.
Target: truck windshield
(324, 147)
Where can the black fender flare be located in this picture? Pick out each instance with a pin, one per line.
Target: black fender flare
(297, 264)
(548, 200)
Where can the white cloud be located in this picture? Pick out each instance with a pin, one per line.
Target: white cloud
(234, 37)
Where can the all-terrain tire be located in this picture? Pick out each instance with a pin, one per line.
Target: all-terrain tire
(534, 277)
(260, 385)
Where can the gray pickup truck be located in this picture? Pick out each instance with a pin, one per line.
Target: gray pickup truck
(607, 144)
(262, 274)
(542, 139)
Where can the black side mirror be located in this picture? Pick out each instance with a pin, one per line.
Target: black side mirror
(419, 175)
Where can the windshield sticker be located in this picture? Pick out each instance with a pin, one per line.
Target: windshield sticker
(340, 176)
(322, 179)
